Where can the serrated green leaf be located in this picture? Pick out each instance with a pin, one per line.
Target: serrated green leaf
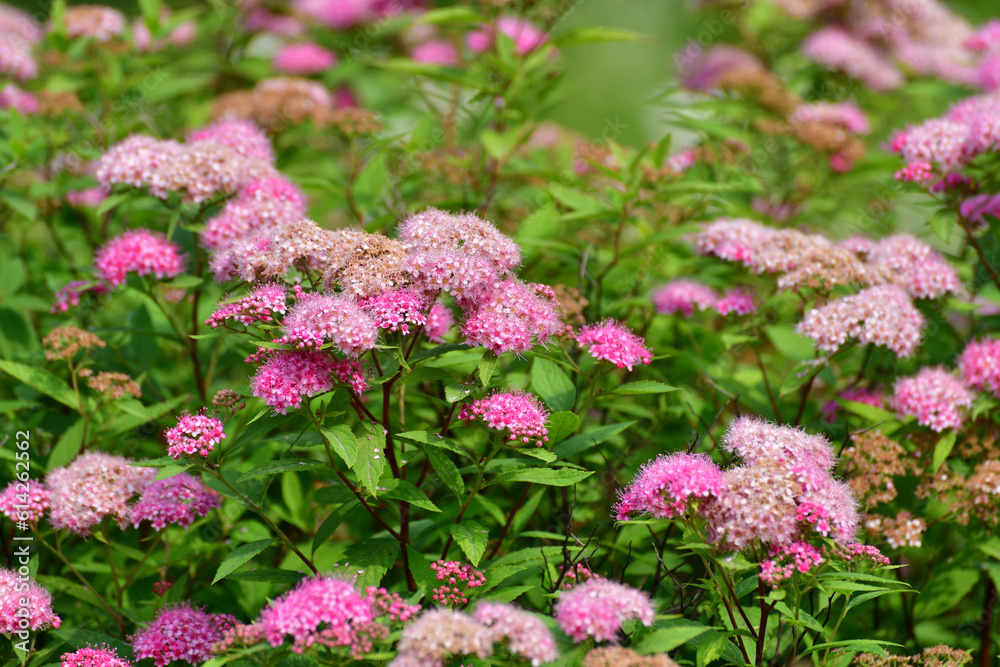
(42, 380)
(561, 425)
(370, 462)
(644, 387)
(282, 465)
(454, 393)
(370, 560)
(343, 442)
(546, 476)
(472, 538)
(332, 522)
(446, 470)
(487, 366)
(400, 489)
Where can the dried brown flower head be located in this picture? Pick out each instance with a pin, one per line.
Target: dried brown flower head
(64, 342)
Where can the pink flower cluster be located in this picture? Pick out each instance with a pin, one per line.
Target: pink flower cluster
(439, 322)
(303, 59)
(979, 365)
(934, 396)
(133, 161)
(847, 115)
(18, 32)
(784, 560)
(180, 632)
(598, 608)
(261, 204)
(915, 266)
(138, 251)
(840, 50)
(194, 435)
(525, 36)
(868, 552)
(24, 501)
(396, 310)
(93, 21)
(94, 656)
(177, 500)
(665, 486)
(459, 580)
(318, 318)
(526, 635)
(613, 342)
(517, 412)
(289, 375)
(683, 296)
(260, 305)
(439, 633)
(882, 315)
(12, 97)
(15, 588)
(245, 138)
(510, 316)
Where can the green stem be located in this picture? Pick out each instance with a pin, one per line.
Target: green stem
(480, 476)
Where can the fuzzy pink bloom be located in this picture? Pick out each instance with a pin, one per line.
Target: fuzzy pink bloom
(525, 36)
(436, 52)
(976, 208)
(511, 316)
(337, 14)
(94, 21)
(869, 552)
(872, 397)
(757, 504)
(826, 505)
(289, 375)
(915, 266)
(934, 396)
(704, 72)
(882, 315)
(259, 19)
(181, 632)
(13, 589)
(16, 60)
(261, 204)
(598, 608)
(678, 163)
(663, 487)
(134, 161)
(845, 114)
(12, 97)
(837, 49)
(786, 559)
(176, 500)
(320, 610)
(683, 296)
(526, 634)
(353, 373)
(244, 137)
(518, 413)
(458, 579)
(22, 501)
(613, 342)
(732, 239)
(260, 305)
(94, 656)
(937, 141)
(303, 59)
(317, 318)
(194, 435)
(93, 486)
(988, 72)
(736, 300)
(203, 170)
(439, 322)
(985, 38)
(979, 365)
(88, 198)
(759, 442)
(397, 310)
(439, 633)
(138, 251)
(859, 245)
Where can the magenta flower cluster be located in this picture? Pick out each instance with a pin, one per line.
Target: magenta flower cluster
(460, 579)
(613, 342)
(518, 413)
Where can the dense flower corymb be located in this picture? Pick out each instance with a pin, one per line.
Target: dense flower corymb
(663, 487)
(176, 500)
(934, 396)
(525, 633)
(511, 316)
(303, 59)
(437, 634)
(979, 365)
(138, 251)
(242, 136)
(94, 656)
(683, 296)
(93, 486)
(39, 604)
(24, 501)
(194, 435)
(598, 608)
(183, 633)
(318, 318)
(289, 375)
(517, 412)
(615, 343)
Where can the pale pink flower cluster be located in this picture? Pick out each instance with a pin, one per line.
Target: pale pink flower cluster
(318, 318)
(613, 342)
(94, 21)
(979, 365)
(289, 375)
(526, 635)
(517, 412)
(847, 115)
(439, 322)
(598, 608)
(683, 296)
(396, 310)
(15, 588)
(664, 487)
(714, 65)
(18, 31)
(95, 485)
(203, 170)
(244, 137)
(526, 37)
(303, 59)
(87, 198)
(459, 579)
(180, 632)
(784, 560)
(438, 634)
(732, 239)
(837, 49)
(138, 251)
(915, 266)
(177, 500)
(934, 396)
(337, 14)
(94, 656)
(24, 501)
(881, 315)
(510, 316)
(436, 52)
(134, 161)
(260, 205)
(262, 304)
(12, 97)
(194, 435)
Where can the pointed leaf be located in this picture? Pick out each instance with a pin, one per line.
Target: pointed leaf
(370, 463)
(239, 556)
(472, 538)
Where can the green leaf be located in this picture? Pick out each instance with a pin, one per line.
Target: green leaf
(599, 34)
(561, 425)
(942, 449)
(644, 387)
(472, 538)
(371, 559)
(451, 15)
(546, 476)
(552, 384)
(332, 522)
(454, 393)
(42, 380)
(172, 470)
(446, 470)
(487, 366)
(799, 375)
(584, 441)
(370, 463)
(282, 465)
(256, 430)
(667, 639)
(420, 569)
(79, 638)
(240, 556)
(400, 489)
(68, 446)
(942, 223)
(855, 645)
(435, 440)
(343, 442)
(711, 649)
(20, 204)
